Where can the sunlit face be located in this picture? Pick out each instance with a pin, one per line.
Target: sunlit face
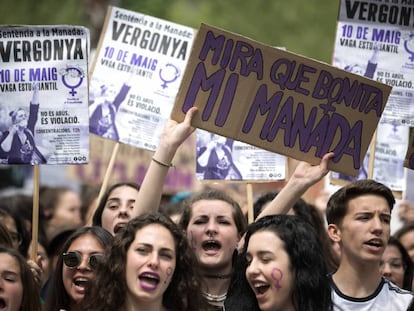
(75, 279)
(213, 235)
(150, 265)
(407, 240)
(392, 266)
(118, 208)
(268, 271)
(365, 229)
(67, 210)
(11, 287)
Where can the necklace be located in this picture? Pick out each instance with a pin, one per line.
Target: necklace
(218, 276)
(214, 299)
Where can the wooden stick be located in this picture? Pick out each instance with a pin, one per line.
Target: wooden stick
(249, 191)
(35, 214)
(105, 181)
(372, 150)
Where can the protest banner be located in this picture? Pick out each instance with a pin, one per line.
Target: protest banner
(44, 100)
(44, 95)
(221, 158)
(136, 73)
(279, 101)
(373, 39)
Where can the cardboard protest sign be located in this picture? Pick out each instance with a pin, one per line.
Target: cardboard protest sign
(279, 101)
(136, 73)
(221, 158)
(44, 95)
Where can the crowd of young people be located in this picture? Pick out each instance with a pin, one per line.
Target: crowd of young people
(135, 258)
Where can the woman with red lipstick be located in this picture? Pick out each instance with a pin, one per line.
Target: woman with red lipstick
(150, 267)
(81, 254)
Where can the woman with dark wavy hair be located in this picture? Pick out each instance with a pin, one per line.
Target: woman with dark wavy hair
(76, 266)
(150, 266)
(285, 265)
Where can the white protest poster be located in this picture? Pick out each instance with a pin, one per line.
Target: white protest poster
(136, 74)
(375, 39)
(222, 158)
(44, 95)
(391, 147)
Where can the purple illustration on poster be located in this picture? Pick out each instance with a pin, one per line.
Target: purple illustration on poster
(44, 95)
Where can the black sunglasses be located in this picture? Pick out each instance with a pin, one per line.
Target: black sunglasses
(73, 259)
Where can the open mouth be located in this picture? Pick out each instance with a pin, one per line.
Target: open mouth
(81, 282)
(2, 303)
(260, 288)
(119, 226)
(211, 245)
(149, 281)
(375, 243)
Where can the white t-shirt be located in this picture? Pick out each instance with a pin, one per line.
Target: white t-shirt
(387, 297)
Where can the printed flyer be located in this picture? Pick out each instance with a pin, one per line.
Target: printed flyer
(222, 158)
(375, 39)
(44, 95)
(136, 74)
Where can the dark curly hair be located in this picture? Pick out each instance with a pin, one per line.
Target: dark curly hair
(107, 292)
(311, 289)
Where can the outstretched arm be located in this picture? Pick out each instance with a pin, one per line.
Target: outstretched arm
(304, 176)
(174, 134)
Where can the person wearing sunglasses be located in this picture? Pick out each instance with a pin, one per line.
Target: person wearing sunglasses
(76, 266)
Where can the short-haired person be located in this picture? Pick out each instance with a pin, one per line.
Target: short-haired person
(358, 216)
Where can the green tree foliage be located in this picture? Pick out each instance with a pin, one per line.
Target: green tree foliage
(303, 27)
